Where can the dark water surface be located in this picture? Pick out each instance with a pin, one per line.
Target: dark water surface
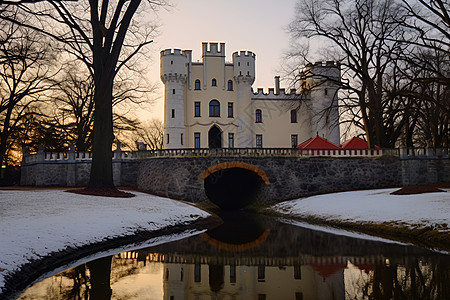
(256, 257)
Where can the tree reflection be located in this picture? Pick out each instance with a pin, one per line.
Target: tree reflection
(100, 270)
(417, 279)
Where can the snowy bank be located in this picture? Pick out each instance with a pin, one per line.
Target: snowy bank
(34, 224)
(418, 211)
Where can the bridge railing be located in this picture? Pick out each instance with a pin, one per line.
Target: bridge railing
(41, 156)
(236, 152)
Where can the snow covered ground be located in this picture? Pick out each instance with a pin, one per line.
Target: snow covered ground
(375, 206)
(35, 223)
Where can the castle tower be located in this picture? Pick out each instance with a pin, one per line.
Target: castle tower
(213, 64)
(244, 76)
(321, 82)
(175, 66)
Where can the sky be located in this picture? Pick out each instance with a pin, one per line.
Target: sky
(255, 25)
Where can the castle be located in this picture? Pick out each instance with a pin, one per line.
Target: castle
(211, 104)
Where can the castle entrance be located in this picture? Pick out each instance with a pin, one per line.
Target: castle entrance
(215, 137)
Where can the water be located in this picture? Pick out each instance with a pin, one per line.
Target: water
(255, 257)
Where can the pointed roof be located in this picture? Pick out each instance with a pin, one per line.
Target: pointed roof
(354, 143)
(317, 142)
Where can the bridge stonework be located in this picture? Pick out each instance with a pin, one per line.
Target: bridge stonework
(287, 177)
(281, 174)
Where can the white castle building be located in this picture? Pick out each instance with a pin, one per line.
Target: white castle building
(211, 104)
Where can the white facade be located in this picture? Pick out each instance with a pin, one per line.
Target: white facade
(212, 104)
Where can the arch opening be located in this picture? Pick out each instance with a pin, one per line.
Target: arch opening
(233, 188)
(214, 138)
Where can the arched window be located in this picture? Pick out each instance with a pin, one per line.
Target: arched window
(258, 116)
(230, 85)
(214, 82)
(214, 108)
(197, 84)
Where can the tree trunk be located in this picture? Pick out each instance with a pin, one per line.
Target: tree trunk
(101, 169)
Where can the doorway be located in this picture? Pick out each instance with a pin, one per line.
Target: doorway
(215, 137)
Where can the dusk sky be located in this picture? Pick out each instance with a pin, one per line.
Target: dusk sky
(255, 25)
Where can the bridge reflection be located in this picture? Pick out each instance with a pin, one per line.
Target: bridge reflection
(269, 260)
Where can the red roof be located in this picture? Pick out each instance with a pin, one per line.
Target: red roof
(328, 270)
(317, 142)
(354, 143)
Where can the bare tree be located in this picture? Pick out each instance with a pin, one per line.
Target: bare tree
(152, 134)
(363, 36)
(105, 38)
(24, 76)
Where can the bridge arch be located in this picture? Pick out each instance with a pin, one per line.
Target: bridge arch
(233, 185)
(236, 164)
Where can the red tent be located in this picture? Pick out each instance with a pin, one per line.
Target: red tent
(354, 143)
(318, 143)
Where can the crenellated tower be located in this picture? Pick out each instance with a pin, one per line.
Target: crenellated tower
(175, 65)
(321, 82)
(244, 76)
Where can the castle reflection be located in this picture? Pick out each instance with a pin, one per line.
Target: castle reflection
(257, 258)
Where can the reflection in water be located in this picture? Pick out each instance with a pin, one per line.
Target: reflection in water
(270, 261)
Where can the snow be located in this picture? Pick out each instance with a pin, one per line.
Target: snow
(35, 223)
(375, 206)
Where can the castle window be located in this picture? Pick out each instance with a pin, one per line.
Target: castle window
(168, 138)
(198, 272)
(248, 64)
(197, 140)
(171, 62)
(173, 113)
(297, 271)
(230, 85)
(294, 140)
(230, 109)
(239, 64)
(214, 108)
(173, 91)
(261, 274)
(197, 109)
(258, 116)
(248, 72)
(293, 116)
(259, 141)
(326, 92)
(232, 273)
(230, 140)
(181, 136)
(214, 82)
(197, 84)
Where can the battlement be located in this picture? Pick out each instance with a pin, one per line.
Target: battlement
(328, 64)
(244, 54)
(167, 52)
(271, 95)
(213, 49)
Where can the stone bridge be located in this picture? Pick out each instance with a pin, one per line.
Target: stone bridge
(233, 178)
(236, 181)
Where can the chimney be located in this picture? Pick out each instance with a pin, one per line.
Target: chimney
(277, 85)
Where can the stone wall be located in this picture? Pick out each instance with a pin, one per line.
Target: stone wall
(289, 177)
(73, 169)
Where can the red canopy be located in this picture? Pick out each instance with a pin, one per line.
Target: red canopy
(317, 143)
(328, 270)
(354, 143)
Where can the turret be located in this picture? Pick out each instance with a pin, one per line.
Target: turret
(175, 69)
(213, 56)
(244, 66)
(321, 81)
(244, 76)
